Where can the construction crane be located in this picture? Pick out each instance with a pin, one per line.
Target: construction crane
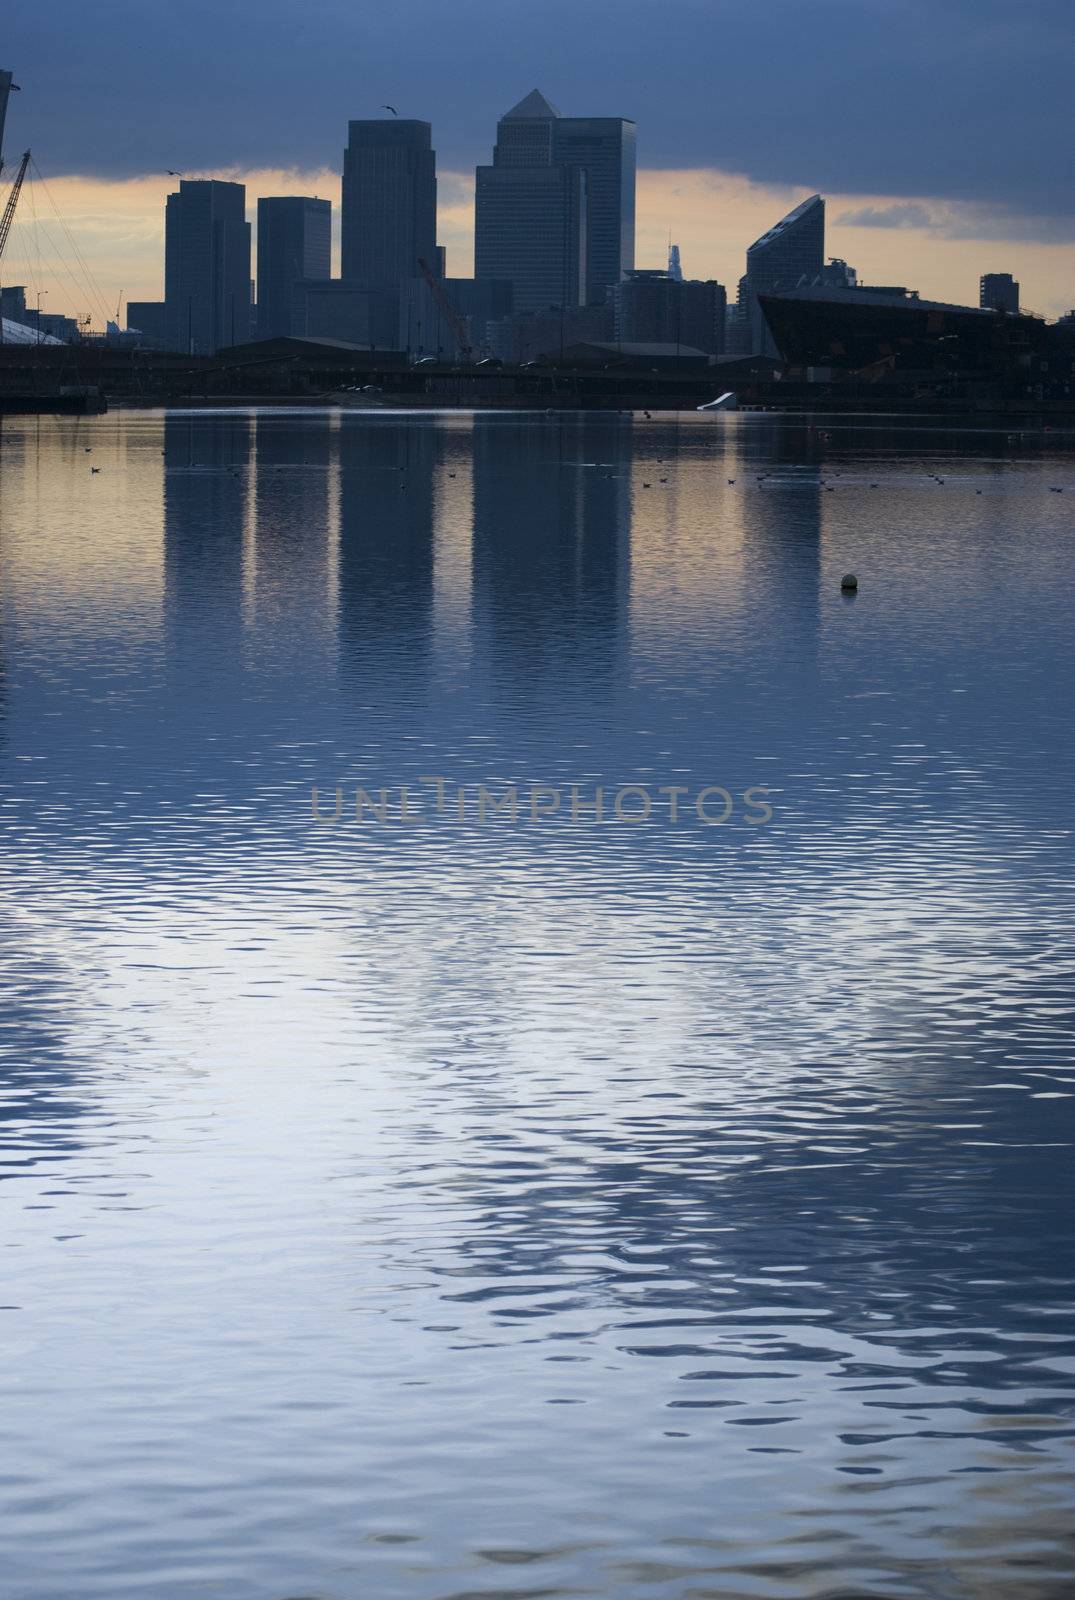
(12, 201)
(450, 314)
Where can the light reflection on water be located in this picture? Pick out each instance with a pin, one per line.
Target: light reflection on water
(444, 1209)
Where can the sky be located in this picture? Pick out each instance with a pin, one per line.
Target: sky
(939, 133)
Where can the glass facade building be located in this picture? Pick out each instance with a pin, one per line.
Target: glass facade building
(388, 218)
(206, 266)
(555, 212)
(604, 148)
(294, 243)
(790, 254)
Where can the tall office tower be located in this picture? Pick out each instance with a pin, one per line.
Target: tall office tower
(604, 148)
(530, 231)
(998, 291)
(294, 243)
(389, 211)
(675, 266)
(530, 214)
(791, 253)
(546, 169)
(206, 266)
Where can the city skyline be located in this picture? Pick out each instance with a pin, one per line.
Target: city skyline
(943, 251)
(713, 216)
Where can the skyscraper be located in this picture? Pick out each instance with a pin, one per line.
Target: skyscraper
(530, 231)
(389, 211)
(206, 266)
(294, 242)
(604, 148)
(998, 291)
(791, 253)
(555, 213)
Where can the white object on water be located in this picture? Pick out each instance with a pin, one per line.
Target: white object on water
(728, 401)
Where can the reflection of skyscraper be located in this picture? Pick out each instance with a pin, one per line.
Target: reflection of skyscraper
(205, 507)
(791, 253)
(712, 562)
(551, 554)
(290, 572)
(385, 572)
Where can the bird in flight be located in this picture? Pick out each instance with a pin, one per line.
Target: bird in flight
(172, 174)
(393, 110)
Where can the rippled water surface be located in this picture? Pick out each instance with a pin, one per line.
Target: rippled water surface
(441, 1207)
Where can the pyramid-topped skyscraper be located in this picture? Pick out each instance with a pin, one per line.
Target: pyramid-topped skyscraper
(533, 106)
(556, 210)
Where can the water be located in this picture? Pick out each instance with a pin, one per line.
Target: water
(437, 1207)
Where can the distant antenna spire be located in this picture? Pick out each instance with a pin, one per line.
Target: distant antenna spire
(675, 270)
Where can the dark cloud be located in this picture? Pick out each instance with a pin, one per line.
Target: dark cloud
(963, 221)
(964, 100)
(907, 215)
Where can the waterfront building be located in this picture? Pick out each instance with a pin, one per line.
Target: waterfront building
(790, 254)
(388, 219)
(206, 266)
(530, 232)
(424, 329)
(294, 243)
(555, 212)
(145, 318)
(653, 307)
(604, 149)
(340, 308)
(530, 334)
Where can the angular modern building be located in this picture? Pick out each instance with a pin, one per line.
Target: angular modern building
(389, 211)
(555, 212)
(791, 254)
(294, 243)
(206, 266)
